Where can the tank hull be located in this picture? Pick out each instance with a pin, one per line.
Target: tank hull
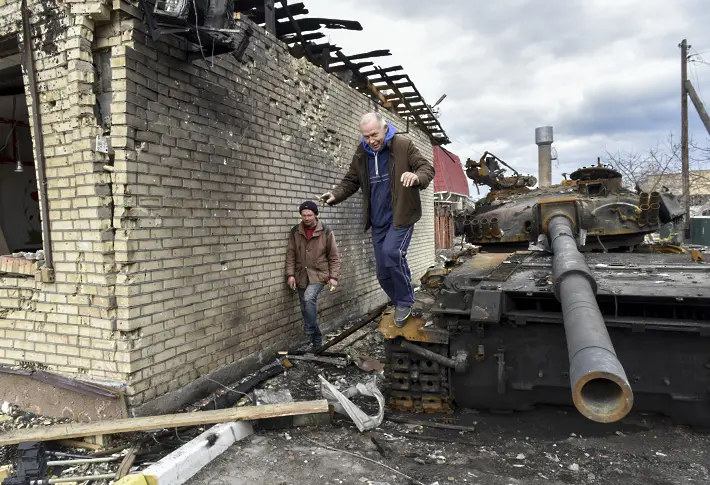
(500, 310)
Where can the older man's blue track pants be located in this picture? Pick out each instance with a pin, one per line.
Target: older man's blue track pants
(393, 273)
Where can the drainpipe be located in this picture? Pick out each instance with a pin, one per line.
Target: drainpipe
(543, 140)
(38, 139)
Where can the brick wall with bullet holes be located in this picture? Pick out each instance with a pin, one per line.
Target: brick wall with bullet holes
(170, 248)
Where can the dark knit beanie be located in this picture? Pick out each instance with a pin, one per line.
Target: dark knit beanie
(310, 205)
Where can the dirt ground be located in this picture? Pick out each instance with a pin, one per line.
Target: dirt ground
(544, 446)
(548, 445)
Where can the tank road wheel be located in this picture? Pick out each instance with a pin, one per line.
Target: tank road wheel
(415, 383)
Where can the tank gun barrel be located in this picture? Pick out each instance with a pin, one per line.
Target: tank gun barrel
(600, 388)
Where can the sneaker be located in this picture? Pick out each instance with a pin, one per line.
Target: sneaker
(401, 313)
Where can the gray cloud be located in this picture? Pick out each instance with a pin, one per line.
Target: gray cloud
(605, 74)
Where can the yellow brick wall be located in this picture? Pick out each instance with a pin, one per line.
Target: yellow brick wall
(170, 253)
(68, 326)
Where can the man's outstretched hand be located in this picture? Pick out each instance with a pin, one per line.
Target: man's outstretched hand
(409, 179)
(328, 198)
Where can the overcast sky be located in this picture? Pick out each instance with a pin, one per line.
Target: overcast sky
(604, 73)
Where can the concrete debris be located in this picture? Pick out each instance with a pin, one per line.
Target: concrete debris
(36, 256)
(369, 364)
(270, 396)
(343, 405)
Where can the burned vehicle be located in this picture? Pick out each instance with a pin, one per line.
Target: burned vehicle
(559, 302)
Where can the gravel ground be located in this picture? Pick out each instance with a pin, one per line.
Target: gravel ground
(548, 445)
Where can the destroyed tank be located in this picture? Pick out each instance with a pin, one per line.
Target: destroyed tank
(557, 300)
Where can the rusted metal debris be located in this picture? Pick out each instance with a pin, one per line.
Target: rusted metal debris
(365, 320)
(430, 424)
(340, 362)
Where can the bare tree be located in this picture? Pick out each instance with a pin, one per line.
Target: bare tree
(661, 166)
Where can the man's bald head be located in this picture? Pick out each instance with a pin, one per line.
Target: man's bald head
(374, 130)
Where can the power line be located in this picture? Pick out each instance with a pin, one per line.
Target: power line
(697, 57)
(469, 146)
(694, 71)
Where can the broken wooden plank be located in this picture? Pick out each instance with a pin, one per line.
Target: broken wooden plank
(309, 24)
(74, 430)
(355, 65)
(290, 39)
(394, 97)
(110, 451)
(396, 77)
(358, 75)
(79, 444)
(367, 55)
(127, 462)
(379, 70)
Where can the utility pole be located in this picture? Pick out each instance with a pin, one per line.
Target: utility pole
(699, 106)
(684, 133)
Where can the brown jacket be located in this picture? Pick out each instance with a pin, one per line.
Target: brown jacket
(406, 203)
(314, 261)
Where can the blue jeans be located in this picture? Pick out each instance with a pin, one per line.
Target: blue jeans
(393, 273)
(309, 309)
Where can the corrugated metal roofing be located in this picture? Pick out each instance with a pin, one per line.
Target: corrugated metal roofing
(450, 176)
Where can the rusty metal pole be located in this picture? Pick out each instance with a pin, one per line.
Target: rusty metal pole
(37, 138)
(684, 134)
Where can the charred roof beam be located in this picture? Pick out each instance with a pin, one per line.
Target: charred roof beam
(291, 39)
(343, 67)
(413, 112)
(312, 23)
(367, 55)
(361, 78)
(296, 29)
(258, 15)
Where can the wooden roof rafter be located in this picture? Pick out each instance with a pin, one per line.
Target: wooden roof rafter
(390, 87)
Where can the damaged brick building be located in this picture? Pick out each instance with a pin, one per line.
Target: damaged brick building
(167, 185)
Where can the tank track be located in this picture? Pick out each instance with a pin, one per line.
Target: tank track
(415, 384)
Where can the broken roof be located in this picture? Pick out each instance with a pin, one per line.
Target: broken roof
(390, 87)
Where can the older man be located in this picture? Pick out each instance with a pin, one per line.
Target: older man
(311, 263)
(390, 171)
